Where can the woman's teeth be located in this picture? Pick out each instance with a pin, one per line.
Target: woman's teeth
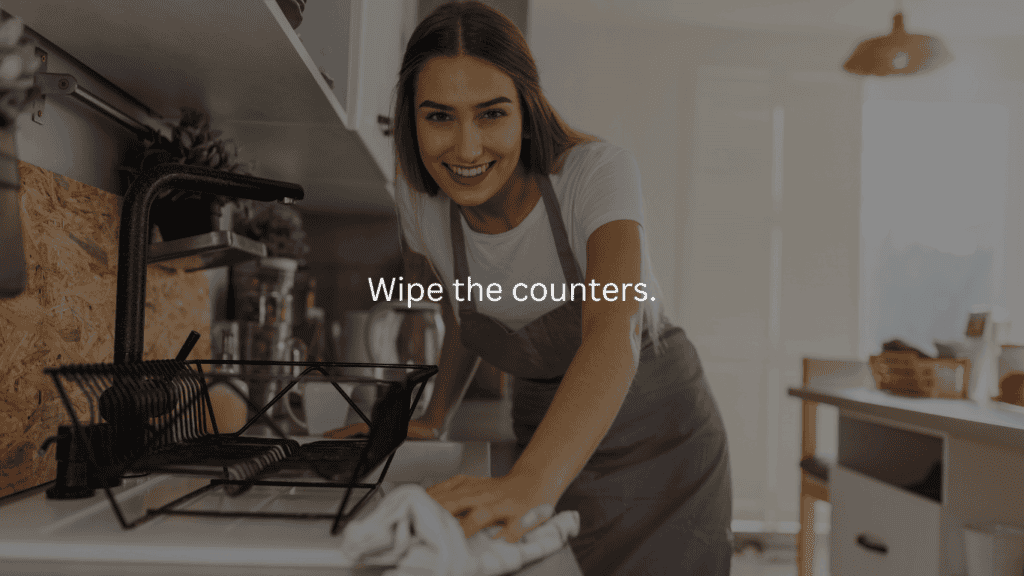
(468, 172)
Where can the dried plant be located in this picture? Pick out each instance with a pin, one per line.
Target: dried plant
(278, 226)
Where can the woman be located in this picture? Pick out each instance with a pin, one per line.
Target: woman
(611, 409)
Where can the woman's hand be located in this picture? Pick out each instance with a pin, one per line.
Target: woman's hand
(423, 430)
(348, 431)
(480, 503)
(418, 430)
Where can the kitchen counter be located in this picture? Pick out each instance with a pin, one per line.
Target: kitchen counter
(83, 537)
(990, 422)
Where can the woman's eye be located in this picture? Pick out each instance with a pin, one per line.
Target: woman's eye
(494, 114)
(438, 117)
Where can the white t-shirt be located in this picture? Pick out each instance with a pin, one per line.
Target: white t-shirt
(599, 183)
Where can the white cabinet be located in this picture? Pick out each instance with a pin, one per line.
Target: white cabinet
(880, 529)
(365, 73)
(331, 34)
(260, 80)
(380, 58)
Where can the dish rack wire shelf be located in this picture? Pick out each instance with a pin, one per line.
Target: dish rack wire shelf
(156, 417)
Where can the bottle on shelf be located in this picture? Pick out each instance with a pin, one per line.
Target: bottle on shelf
(312, 327)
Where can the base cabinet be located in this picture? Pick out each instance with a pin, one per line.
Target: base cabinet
(879, 529)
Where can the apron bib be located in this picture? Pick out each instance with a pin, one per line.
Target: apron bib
(656, 496)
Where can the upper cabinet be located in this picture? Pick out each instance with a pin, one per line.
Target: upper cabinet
(303, 105)
(381, 58)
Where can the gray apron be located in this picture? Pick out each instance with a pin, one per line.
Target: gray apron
(656, 496)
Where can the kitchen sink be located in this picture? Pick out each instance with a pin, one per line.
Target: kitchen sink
(427, 462)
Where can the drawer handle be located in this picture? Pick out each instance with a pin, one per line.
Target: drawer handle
(873, 546)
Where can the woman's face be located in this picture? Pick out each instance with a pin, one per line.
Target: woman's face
(469, 126)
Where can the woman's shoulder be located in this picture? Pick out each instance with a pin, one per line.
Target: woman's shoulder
(411, 199)
(595, 166)
(591, 155)
(417, 210)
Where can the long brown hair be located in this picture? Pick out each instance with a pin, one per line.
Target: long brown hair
(474, 29)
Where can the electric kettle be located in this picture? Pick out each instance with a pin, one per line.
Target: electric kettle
(404, 333)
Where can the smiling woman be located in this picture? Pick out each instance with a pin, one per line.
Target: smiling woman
(611, 409)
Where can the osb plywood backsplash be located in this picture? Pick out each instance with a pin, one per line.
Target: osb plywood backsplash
(66, 314)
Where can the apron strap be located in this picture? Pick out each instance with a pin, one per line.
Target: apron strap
(459, 254)
(570, 266)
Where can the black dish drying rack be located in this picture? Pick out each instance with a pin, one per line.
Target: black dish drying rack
(157, 417)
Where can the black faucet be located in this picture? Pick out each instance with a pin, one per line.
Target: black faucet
(133, 244)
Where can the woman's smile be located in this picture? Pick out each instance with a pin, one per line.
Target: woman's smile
(469, 175)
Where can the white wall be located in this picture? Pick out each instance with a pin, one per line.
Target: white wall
(944, 183)
(748, 146)
(625, 87)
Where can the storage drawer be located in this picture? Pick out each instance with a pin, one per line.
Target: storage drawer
(881, 530)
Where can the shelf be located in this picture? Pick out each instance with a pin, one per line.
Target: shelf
(211, 250)
(912, 461)
(241, 62)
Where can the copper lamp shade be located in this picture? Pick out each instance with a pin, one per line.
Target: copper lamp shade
(897, 53)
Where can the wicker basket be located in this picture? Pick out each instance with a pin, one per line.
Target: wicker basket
(907, 374)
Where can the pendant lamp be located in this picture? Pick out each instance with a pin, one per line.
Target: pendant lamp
(897, 53)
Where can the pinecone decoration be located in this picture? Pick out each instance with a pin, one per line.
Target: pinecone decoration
(192, 143)
(18, 65)
(198, 145)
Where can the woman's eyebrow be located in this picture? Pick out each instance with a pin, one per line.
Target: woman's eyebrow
(492, 102)
(498, 100)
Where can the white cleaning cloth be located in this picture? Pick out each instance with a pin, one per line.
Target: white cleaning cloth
(409, 530)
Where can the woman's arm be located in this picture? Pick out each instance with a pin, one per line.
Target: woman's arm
(595, 385)
(456, 366)
(455, 363)
(583, 408)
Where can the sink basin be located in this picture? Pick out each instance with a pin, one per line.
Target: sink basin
(424, 462)
(428, 461)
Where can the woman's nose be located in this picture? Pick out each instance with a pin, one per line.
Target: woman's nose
(470, 144)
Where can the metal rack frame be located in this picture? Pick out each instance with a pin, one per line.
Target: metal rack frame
(415, 378)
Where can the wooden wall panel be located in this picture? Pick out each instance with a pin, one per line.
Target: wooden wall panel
(66, 315)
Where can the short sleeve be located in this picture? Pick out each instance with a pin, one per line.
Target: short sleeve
(604, 187)
(423, 223)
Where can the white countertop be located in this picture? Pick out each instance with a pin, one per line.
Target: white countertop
(39, 535)
(990, 422)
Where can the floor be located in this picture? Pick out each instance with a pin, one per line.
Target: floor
(756, 554)
(775, 555)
